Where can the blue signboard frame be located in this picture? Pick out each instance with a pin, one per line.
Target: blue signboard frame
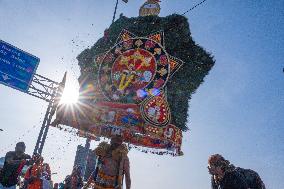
(17, 67)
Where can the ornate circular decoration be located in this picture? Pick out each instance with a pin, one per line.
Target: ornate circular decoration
(134, 69)
(155, 111)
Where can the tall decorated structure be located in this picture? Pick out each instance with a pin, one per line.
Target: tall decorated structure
(137, 80)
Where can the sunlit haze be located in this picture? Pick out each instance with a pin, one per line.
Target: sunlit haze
(71, 91)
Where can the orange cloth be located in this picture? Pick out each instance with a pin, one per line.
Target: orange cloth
(36, 172)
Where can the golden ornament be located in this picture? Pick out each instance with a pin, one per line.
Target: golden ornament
(150, 7)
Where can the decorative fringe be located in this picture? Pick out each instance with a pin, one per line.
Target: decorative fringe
(156, 151)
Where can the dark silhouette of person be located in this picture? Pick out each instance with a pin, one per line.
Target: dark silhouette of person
(227, 176)
(13, 165)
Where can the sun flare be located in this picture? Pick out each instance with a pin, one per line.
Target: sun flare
(71, 91)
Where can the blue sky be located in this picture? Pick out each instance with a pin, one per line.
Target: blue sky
(238, 111)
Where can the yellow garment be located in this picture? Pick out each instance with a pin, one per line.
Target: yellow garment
(105, 181)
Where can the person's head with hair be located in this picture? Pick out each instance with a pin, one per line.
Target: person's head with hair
(20, 148)
(38, 158)
(217, 164)
(56, 186)
(116, 141)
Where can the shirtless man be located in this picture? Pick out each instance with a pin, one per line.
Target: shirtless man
(112, 166)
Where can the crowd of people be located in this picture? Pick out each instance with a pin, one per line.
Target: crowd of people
(112, 167)
(38, 174)
(112, 161)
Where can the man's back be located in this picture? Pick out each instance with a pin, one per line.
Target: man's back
(240, 178)
(252, 178)
(226, 176)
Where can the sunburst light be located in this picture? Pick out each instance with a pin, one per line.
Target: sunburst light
(71, 91)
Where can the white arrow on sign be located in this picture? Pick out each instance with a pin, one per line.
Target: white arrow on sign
(5, 77)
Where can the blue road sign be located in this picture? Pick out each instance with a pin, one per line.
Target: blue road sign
(17, 67)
